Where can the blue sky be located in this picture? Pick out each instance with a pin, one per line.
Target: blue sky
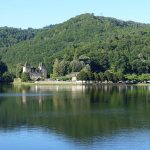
(39, 13)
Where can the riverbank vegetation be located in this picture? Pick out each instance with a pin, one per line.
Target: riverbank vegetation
(82, 68)
(5, 76)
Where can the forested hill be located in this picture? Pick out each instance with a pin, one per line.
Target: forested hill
(10, 36)
(108, 42)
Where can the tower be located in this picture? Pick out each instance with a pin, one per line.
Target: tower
(26, 68)
(43, 70)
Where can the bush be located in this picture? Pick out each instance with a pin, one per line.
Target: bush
(25, 77)
(7, 77)
(3, 68)
(62, 78)
(83, 76)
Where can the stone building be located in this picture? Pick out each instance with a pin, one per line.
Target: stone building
(35, 73)
(73, 76)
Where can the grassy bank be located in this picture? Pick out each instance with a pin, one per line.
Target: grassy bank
(48, 83)
(73, 83)
(143, 84)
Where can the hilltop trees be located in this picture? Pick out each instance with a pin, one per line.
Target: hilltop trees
(12, 36)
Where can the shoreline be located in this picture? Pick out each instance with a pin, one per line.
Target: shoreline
(74, 83)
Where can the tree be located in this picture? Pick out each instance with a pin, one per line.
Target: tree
(99, 63)
(132, 76)
(139, 66)
(101, 76)
(18, 70)
(114, 78)
(120, 75)
(109, 75)
(87, 68)
(123, 64)
(83, 76)
(7, 77)
(3, 68)
(85, 59)
(96, 77)
(76, 66)
(144, 77)
(25, 77)
(56, 68)
(63, 68)
(90, 76)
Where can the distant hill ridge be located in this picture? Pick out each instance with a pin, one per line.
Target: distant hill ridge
(100, 38)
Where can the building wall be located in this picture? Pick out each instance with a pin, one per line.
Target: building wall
(39, 73)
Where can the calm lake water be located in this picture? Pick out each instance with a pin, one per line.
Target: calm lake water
(74, 118)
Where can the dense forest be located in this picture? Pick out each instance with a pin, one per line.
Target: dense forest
(11, 36)
(108, 43)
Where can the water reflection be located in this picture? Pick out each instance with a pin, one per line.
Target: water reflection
(78, 112)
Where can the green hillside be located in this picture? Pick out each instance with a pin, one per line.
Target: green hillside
(108, 42)
(10, 36)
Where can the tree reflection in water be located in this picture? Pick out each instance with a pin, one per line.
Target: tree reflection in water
(79, 112)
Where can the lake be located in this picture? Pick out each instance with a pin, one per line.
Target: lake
(75, 117)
